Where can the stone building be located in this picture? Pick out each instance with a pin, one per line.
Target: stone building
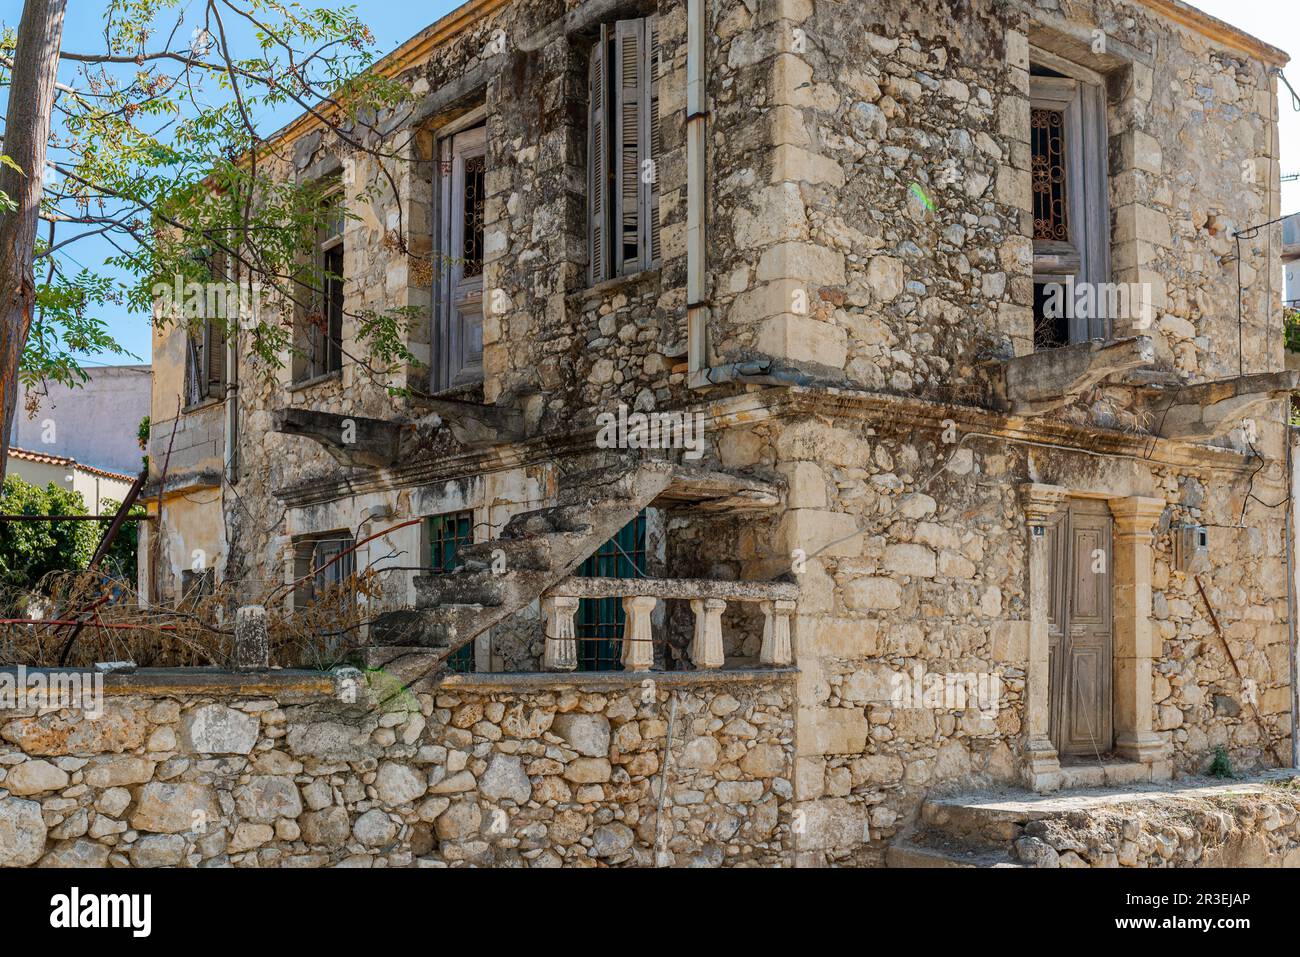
(968, 302)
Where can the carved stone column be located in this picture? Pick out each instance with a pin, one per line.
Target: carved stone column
(776, 633)
(638, 638)
(561, 646)
(706, 648)
(1043, 766)
(1135, 641)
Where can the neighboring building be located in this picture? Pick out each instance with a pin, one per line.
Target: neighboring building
(95, 485)
(97, 423)
(849, 257)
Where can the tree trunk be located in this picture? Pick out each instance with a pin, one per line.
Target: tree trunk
(27, 130)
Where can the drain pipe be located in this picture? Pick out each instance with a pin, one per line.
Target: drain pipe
(757, 372)
(697, 117)
(663, 774)
(231, 446)
(1292, 435)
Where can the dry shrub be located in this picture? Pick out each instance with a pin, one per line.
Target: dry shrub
(325, 631)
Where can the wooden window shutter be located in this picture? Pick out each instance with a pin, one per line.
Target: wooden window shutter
(631, 141)
(650, 190)
(214, 355)
(598, 178)
(194, 366)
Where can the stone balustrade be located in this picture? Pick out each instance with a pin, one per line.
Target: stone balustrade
(708, 600)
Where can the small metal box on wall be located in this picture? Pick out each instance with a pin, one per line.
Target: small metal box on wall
(1191, 548)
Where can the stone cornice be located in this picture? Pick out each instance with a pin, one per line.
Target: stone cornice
(409, 54)
(418, 47)
(902, 412)
(875, 409)
(1215, 29)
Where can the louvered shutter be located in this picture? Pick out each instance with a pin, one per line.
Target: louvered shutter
(630, 140)
(194, 366)
(650, 191)
(598, 189)
(214, 354)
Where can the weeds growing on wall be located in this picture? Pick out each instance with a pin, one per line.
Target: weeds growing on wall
(1221, 767)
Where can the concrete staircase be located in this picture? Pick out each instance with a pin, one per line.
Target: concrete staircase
(497, 578)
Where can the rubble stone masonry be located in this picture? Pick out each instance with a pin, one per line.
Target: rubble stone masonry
(293, 769)
(869, 237)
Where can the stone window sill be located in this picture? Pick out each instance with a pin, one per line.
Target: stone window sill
(315, 380)
(200, 406)
(620, 283)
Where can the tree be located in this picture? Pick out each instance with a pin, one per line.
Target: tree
(31, 550)
(153, 147)
(27, 129)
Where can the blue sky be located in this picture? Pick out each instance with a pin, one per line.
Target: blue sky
(392, 23)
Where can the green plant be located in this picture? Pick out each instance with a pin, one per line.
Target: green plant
(1291, 328)
(143, 434)
(120, 562)
(31, 550)
(1221, 766)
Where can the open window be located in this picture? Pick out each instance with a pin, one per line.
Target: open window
(329, 561)
(458, 315)
(622, 149)
(319, 333)
(205, 341)
(1070, 204)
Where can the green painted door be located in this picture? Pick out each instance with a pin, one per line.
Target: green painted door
(599, 622)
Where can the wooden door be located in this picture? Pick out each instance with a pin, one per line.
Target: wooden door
(458, 325)
(1081, 650)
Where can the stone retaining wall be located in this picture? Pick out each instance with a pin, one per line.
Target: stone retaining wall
(1221, 829)
(192, 768)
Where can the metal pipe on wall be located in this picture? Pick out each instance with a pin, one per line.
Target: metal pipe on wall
(1291, 445)
(231, 438)
(697, 309)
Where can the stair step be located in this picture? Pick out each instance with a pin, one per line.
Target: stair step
(405, 627)
(541, 548)
(906, 854)
(469, 587)
(532, 554)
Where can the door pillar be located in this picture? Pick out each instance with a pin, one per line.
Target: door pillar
(1042, 770)
(1135, 640)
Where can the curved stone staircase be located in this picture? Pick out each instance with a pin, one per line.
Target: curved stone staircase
(497, 578)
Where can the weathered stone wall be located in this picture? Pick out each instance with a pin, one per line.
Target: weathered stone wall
(209, 770)
(908, 291)
(822, 116)
(916, 557)
(1232, 833)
